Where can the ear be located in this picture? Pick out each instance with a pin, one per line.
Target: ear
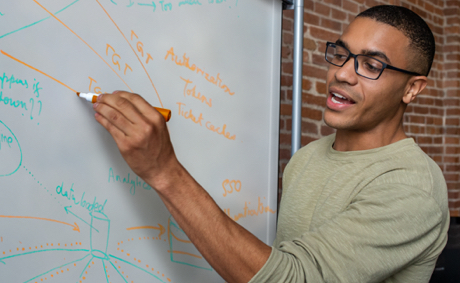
(415, 85)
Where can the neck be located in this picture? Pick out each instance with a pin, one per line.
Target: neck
(347, 140)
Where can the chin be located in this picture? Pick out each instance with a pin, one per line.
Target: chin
(330, 120)
(337, 121)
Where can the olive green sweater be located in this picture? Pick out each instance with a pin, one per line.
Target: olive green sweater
(378, 215)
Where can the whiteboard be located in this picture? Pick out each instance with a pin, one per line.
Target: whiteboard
(71, 210)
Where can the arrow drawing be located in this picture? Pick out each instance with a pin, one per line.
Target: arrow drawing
(160, 227)
(75, 226)
(67, 210)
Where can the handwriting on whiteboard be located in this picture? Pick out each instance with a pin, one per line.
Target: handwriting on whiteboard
(231, 186)
(29, 106)
(249, 210)
(184, 62)
(166, 6)
(191, 91)
(133, 181)
(187, 113)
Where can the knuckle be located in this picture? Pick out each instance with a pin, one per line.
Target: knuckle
(114, 117)
(135, 98)
(122, 103)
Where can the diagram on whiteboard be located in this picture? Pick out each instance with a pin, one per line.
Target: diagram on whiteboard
(71, 210)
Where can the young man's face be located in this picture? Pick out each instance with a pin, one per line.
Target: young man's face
(369, 104)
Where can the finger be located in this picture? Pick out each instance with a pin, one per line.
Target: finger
(114, 118)
(143, 106)
(122, 105)
(116, 133)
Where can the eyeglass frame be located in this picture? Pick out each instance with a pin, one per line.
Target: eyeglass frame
(384, 65)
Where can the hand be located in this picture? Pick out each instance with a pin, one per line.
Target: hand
(140, 133)
(143, 140)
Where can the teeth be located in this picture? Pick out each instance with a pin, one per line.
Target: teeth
(339, 96)
(336, 101)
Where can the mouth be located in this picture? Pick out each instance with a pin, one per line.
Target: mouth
(340, 99)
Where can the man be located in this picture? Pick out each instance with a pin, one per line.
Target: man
(362, 205)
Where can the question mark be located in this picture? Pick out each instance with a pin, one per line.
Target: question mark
(32, 109)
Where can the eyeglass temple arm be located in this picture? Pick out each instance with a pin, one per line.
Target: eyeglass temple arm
(401, 70)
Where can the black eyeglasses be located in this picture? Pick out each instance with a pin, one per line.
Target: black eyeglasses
(365, 66)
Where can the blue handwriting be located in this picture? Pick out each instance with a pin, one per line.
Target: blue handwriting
(127, 180)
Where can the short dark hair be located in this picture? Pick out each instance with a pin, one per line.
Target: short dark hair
(412, 26)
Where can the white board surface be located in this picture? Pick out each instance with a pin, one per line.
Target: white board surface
(71, 210)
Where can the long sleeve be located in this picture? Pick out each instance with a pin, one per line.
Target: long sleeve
(359, 218)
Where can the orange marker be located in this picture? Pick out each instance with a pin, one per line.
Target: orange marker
(92, 97)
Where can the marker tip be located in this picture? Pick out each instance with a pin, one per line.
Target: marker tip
(78, 94)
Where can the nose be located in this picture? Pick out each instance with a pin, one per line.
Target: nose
(347, 73)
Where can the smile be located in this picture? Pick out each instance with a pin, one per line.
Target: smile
(340, 99)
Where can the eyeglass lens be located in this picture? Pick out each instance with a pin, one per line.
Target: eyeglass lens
(367, 66)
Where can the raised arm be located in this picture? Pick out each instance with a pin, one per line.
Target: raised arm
(142, 137)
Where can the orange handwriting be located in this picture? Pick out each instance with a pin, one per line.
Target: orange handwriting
(230, 186)
(115, 61)
(188, 115)
(96, 88)
(220, 131)
(217, 81)
(192, 92)
(250, 212)
(140, 48)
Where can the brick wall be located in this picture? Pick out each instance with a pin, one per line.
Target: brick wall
(433, 120)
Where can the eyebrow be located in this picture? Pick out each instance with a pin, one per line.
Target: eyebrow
(372, 53)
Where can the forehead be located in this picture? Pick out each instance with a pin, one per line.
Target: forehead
(365, 34)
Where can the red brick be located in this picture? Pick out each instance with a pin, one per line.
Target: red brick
(321, 87)
(287, 67)
(452, 168)
(288, 38)
(309, 44)
(434, 150)
(289, 14)
(452, 140)
(286, 52)
(315, 72)
(334, 2)
(304, 140)
(306, 84)
(326, 130)
(451, 159)
(285, 139)
(308, 5)
(311, 113)
(331, 24)
(338, 15)
(309, 128)
(452, 131)
(285, 154)
(433, 120)
(350, 6)
(417, 119)
(452, 149)
(323, 34)
(319, 60)
(322, 9)
(424, 140)
(453, 121)
(421, 110)
(285, 109)
(454, 195)
(312, 99)
(453, 112)
(310, 18)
